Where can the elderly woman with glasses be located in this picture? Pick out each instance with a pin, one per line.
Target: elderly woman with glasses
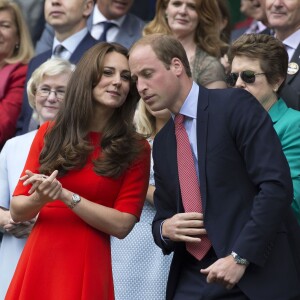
(259, 64)
(46, 89)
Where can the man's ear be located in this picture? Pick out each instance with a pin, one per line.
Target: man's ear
(88, 8)
(176, 66)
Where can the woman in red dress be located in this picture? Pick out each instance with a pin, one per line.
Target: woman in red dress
(86, 177)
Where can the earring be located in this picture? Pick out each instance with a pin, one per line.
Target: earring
(17, 46)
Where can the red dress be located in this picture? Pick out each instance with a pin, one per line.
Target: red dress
(65, 258)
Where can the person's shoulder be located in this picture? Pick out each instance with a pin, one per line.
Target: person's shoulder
(230, 99)
(37, 60)
(134, 20)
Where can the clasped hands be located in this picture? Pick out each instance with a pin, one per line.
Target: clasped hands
(45, 188)
(19, 230)
(188, 227)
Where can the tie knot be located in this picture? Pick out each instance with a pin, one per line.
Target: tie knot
(179, 119)
(58, 50)
(106, 26)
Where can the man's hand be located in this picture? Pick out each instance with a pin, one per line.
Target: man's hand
(184, 227)
(224, 271)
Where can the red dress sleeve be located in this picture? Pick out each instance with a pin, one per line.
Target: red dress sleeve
(135, 185)
(11, 103)
(32, 162)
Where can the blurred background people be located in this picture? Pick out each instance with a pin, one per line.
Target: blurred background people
(284, 18)
(71, 40)
(196, 24)
(34, 16)
(259, 65)
(86, 176)
(46, 89)
(140, 270)
(255, 12)
(110, 21)
(15, 51)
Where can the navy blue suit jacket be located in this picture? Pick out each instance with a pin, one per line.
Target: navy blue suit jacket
(246, 193)
(24, 119)
(290, 91)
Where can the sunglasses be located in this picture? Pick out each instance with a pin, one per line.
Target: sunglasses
(246, 76)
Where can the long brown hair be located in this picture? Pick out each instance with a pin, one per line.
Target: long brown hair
(67, 144)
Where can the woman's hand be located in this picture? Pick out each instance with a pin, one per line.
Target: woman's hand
(46, 188)
(19, 230)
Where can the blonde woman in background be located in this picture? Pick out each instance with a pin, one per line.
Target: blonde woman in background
(140, 269)
(15, 52)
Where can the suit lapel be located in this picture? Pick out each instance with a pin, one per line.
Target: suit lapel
(172, 155)
(295, 59)
(202, 120)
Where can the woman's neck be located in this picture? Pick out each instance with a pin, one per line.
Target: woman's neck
(189, 46)
(100, 118)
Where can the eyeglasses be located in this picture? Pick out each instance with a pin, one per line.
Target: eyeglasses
(246, 76)
(45, 93)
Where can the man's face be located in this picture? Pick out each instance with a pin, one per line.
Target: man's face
(114, 9)
(283, 15)
(157, 85)
(67, 14)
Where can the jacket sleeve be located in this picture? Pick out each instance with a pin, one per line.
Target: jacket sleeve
(11, 103)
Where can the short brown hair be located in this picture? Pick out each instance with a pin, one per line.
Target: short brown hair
(267, 49)
(165, 47)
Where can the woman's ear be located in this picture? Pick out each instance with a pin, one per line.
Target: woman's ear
(278, 83)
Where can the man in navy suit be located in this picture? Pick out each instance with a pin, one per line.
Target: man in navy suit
(69, 20)
(128, 28)
(244, 180)
(284, 18)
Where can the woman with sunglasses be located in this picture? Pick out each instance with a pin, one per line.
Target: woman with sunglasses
(259, 64)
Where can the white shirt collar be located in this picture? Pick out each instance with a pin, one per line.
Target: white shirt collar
(293, 40)
(71, 42)
(189, 107)
(98, 17)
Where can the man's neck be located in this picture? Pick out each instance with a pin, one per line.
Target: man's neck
(284, 33)
(64, 32)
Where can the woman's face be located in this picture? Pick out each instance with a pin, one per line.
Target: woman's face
(263, 91)
(113, 87)
(182, 17)
(8, 34)
(48, 106)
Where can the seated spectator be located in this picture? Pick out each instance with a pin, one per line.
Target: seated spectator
(126, 28)
(196, 24)
(46, 89)
(259, 65)
(71, 40)
(15, 51)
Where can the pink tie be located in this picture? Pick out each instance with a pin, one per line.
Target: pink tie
(189, 185)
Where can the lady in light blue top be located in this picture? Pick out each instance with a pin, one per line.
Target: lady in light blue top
(46, 89)
(259, 64)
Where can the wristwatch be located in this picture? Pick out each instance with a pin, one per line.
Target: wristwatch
(239, 260)
(75, 200)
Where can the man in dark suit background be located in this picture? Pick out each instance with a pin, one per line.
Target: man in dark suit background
(126, 30)
(284, 18)
(244, 180)
(69, 20)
